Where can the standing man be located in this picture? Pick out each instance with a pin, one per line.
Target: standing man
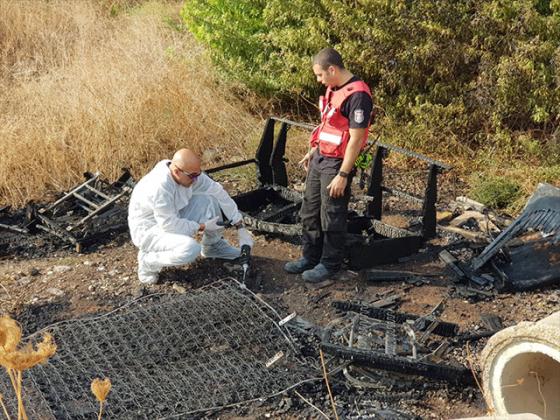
(335, 144)
(169, 206)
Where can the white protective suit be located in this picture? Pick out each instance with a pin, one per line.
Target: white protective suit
(164, 217)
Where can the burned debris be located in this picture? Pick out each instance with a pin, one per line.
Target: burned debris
(272, 207)
(533, 260)
(222, 345)
(524, 256)
(507, 263)
(371, 240)
(167, 356)
(394, 341)
(383, 242)
(81, 216)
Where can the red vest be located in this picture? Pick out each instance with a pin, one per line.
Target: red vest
(333, 134)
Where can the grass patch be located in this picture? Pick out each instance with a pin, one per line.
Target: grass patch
(497, 192)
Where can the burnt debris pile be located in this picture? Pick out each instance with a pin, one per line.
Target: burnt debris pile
(384, 362)
(86, 214)
(393, 216)
(524, 255)
(373, 236)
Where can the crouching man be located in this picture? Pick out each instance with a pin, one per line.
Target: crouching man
(169, 206)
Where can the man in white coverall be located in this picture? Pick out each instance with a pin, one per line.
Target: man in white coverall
(169, 206)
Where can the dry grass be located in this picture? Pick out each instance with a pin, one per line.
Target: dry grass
(83, 90)
(100, 388)
(15, 360)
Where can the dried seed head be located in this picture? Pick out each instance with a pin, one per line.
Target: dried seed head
(10, 334)
(27, 357)
(101, 388)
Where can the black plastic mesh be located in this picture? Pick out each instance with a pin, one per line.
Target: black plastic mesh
(166, 355)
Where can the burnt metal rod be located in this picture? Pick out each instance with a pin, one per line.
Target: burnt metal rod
(307, 126)
(97, 211)
(85, 200)
(69, 194)
(405, 152)
(402, 194)
(14, 228)
(444, 329)
(230, 165)
(96, 191)
(454, 374)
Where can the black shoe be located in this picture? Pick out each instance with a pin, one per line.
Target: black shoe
(298, 266)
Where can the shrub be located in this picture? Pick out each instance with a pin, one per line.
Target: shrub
(494, 191)
(498, 60)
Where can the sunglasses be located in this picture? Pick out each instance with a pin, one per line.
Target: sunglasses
(189, 174)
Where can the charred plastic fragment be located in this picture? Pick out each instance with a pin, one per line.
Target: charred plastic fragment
(526, 255)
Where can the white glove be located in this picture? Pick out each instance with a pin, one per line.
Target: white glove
(245, 237)
(212, 225)
(238, 218)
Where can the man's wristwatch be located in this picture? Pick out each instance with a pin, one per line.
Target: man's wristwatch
(343, 174)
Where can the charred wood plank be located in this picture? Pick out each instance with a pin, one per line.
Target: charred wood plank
(492, 322)
(452, 262)
(474, 336)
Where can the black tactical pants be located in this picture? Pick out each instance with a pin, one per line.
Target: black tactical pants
(324, 218)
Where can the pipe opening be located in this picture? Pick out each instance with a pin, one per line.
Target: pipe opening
(530, 383)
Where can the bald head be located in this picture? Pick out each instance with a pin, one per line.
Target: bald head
(186, 158)
(185, 167)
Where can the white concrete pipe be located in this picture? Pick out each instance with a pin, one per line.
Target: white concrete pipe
(521, 369)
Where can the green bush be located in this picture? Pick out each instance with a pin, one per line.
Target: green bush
(497, 59)
(494, 191)
(449, 77)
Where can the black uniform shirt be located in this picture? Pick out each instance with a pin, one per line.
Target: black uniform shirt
(357, 108)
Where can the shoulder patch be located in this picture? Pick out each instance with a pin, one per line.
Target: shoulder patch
(359, 116)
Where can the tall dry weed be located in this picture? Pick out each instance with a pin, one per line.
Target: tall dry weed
(100, 388)
(15, 359)
(81, 90)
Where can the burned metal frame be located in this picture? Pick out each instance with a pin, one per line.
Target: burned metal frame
(390, 323)
(444, 329)
(384, 243)
(168, 356)
(87, 211)
(388, 243)
(272, 178)
(454, 374)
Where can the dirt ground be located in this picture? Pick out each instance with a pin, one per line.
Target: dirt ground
(63, 285)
